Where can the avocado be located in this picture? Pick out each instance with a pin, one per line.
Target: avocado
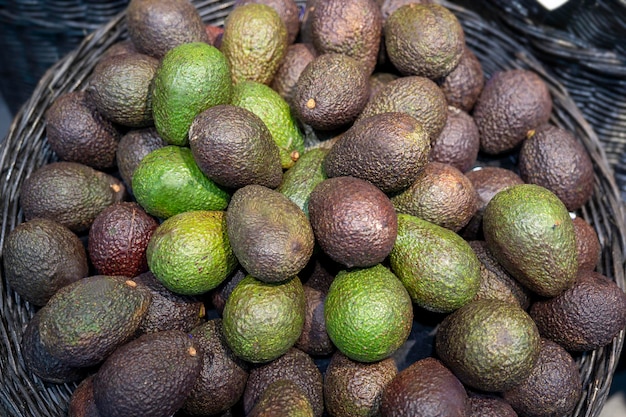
(495, 282)
(132, 148)
(156, 26)
(168, 310)
(553, 158)
(351, 28)
(331, 91)
(120, 88)
(275, 112)
(191, 78)
(387, 7)
(355, 389)
(521, 95)
(82, 403)
(490, 345)
(261, 320)
(283, 398)
(294, 366)
(296, 59)
(425, 388)
(458, 143)
(77, 132)
(487, 181)
(463, 85)
(118, 239)
(314, 339)
(270, 236)
(553, 387)
(440, 194)
(388, 149)
(223, 376)
(40, 362)
(417, 96)
(354, 222)
(221, 293)
(41, 256)
(489, 405)
(234, 147)
(587, 244)
(584, 317)
(300, 180)
(368, 313)
(254, 42)
(378, 80)
(86, 321)
(125, 385)
(70, 193)
(438, 268)
(288, 11)
(424, 39)
(531, 234)
(122, 47)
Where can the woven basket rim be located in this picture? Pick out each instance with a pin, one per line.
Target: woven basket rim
(24, 149)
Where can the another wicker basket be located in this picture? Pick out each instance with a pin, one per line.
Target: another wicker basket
(25, 149)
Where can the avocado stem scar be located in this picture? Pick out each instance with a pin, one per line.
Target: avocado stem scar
(310, 103)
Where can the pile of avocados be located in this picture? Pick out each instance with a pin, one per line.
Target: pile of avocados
(251, 219)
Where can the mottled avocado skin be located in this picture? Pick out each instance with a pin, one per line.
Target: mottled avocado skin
(282, 398)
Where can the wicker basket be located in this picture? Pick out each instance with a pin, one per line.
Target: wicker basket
(25, 149)
(35, 34)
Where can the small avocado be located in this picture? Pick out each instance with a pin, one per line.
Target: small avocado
(463, 85)
(553, 158)
(300, 180)
(41, 256)
(168, 310)
(351, 28)
(282, 398)
(254, 42)
(120, 88)
(440, 194)
(495, 282)
(156, 26)
(490, 345)
(40, 362)
(223, 376)
(314, 339)
(458, 143)
(489, 405)
(355, 389)
(191, 78)
(587, 243)
(519, 94)
(586, 316)
(417, 96)
(133, 147)
(288, 11)
(234, 147)
(424, 39)
(487, 182)
(438, 268)
(118, 239)
(425, 388)
(353, 221)
(331, 91)
(82, 403)
(531, 234)
(70, 193)
(86, 321)
(270, 236)
(294, 366)
(388, 149)
(262, 321)
(296, 59)
(125, 385)
(77, 132)
(553, 387)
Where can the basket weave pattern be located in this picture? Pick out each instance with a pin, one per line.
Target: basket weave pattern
(25, 149)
